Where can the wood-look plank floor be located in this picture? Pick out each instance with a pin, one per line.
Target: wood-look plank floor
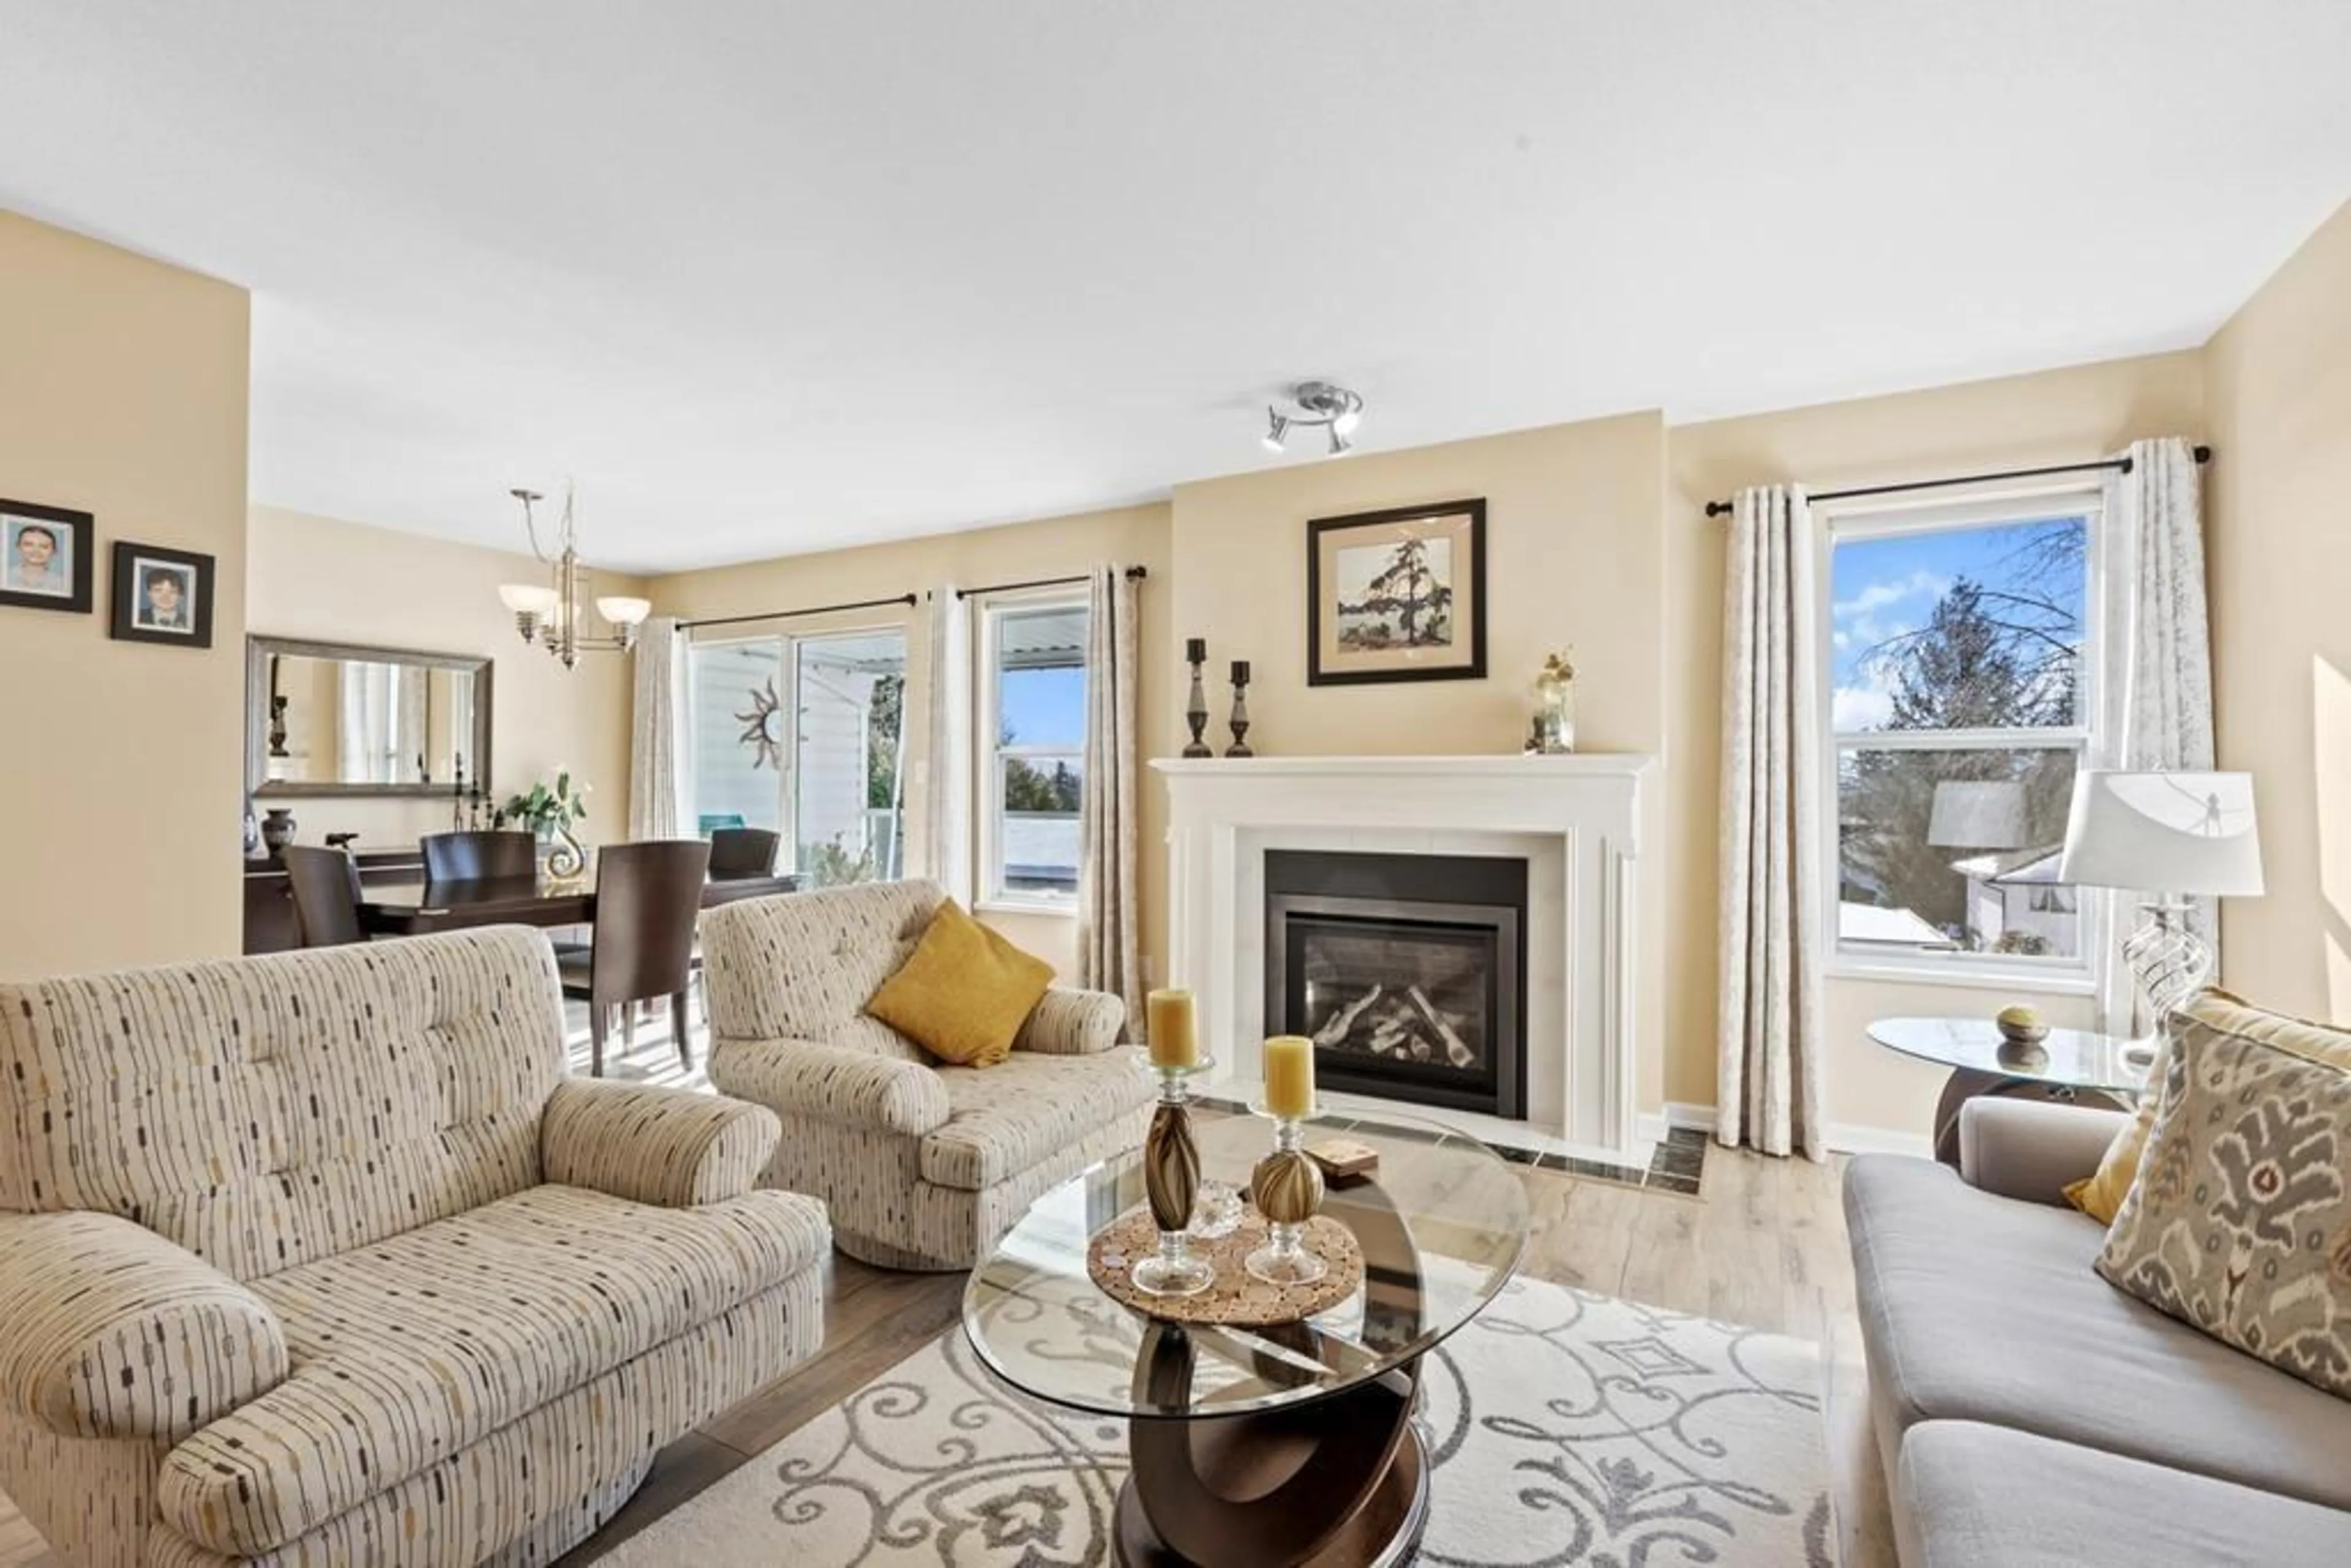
(1763, 1244)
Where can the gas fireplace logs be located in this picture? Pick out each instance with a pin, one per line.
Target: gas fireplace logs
(1403, 1024)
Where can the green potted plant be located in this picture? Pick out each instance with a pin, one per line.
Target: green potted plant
(550, 813)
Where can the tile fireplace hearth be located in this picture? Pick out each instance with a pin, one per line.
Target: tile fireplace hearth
(1570, 826)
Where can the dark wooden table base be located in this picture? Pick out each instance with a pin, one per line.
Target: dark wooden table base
(1338, 1483)
(1966, 1083)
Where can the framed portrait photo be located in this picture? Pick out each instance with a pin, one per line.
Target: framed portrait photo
(1397, 596)
(161, 596)
(45, 556)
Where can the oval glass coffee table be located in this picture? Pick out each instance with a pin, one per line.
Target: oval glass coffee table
(1289, 1444)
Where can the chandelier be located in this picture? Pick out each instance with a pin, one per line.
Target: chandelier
(554, 617)
(1321, 405)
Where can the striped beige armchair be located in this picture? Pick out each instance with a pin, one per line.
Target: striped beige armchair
(322, 1258)
(922, 1164)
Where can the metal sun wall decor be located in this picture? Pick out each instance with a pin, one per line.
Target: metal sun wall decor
(759, 727)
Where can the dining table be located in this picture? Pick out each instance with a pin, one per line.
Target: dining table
(413, 909)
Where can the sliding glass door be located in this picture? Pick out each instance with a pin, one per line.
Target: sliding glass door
(800, 736)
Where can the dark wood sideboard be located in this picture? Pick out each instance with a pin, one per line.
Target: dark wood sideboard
(269, 925)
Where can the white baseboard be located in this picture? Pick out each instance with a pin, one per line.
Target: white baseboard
(1845, 1137)
(1650, 1127)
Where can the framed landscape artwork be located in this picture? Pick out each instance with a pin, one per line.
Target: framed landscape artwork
(161, 596)
(1397, 595)
(45, 556)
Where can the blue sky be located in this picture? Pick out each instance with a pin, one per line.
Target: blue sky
(1045, 707)
(1883, 588)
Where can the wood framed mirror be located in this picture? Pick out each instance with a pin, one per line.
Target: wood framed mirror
(338, 719)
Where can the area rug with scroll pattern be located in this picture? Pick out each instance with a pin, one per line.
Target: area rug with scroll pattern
(1564, 1427)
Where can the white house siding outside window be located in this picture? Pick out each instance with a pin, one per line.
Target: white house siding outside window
(800, 736)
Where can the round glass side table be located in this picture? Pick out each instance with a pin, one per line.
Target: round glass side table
(2072, 1066)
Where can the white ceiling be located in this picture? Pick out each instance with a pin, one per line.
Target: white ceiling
(769, 279)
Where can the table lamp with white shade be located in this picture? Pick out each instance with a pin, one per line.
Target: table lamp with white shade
(2174, 836)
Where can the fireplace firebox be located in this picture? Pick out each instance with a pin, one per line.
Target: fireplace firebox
(1407, 971)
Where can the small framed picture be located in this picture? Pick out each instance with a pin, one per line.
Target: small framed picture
(1397, 596)
(45, 556)
(161, 596)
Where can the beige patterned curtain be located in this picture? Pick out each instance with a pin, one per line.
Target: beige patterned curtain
(655, 783)
(947, 746)
(1109, 951)
(2157, 700)
(1773, 946)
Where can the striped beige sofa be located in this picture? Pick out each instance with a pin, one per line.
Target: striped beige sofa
(322, 1258)
(923, 1166)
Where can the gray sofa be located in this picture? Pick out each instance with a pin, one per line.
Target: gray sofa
(2029, 1413)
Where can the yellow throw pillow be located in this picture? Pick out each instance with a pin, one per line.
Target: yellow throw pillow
(965, 993)
(2100, 1196)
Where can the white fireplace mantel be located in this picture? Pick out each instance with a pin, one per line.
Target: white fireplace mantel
(1576, 820)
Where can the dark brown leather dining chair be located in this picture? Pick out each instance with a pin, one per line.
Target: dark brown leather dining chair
(737, 853)
(476, 856)
(326, 888)
(647, 898)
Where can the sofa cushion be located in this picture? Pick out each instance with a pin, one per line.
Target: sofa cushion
(1974, 1494)
(406, 1350)
(1005, 1118)
(266, 1113)
(802, 965)
(2240, 1224)
(1985, 1309)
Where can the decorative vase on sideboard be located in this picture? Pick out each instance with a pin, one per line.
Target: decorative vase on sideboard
(278, 829)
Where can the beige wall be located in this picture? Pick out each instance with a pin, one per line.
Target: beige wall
(1054, 547)
(2059, 416)
(1574, 520)
(320, 578)
(1573, 556)
(123, 393)
(2279, 384)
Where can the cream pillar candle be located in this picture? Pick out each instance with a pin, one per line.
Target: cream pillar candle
(1174, 1029)
(1289, 1076)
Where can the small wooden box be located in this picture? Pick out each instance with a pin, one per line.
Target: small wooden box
(1343, 1159)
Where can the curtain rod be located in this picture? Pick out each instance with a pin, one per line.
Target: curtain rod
(2119, 465)
(1133, 574)
(788, 614)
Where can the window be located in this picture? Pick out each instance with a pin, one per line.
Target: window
(1963, 668)
(1033, 722)
(800, 736)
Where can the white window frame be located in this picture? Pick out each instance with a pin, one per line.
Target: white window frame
(1863, 518)
(988, 892)
(787, 698)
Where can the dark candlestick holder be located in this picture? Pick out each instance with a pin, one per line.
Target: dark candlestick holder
(1241, 721)
(1196, 710)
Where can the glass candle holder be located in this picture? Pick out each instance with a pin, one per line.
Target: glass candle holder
(1171, 1180)
(1288, 1187)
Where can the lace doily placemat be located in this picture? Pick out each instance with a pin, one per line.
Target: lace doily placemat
(1237, 1296)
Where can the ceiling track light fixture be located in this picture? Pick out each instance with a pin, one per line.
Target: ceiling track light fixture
(1321, 405)
(554, 616)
